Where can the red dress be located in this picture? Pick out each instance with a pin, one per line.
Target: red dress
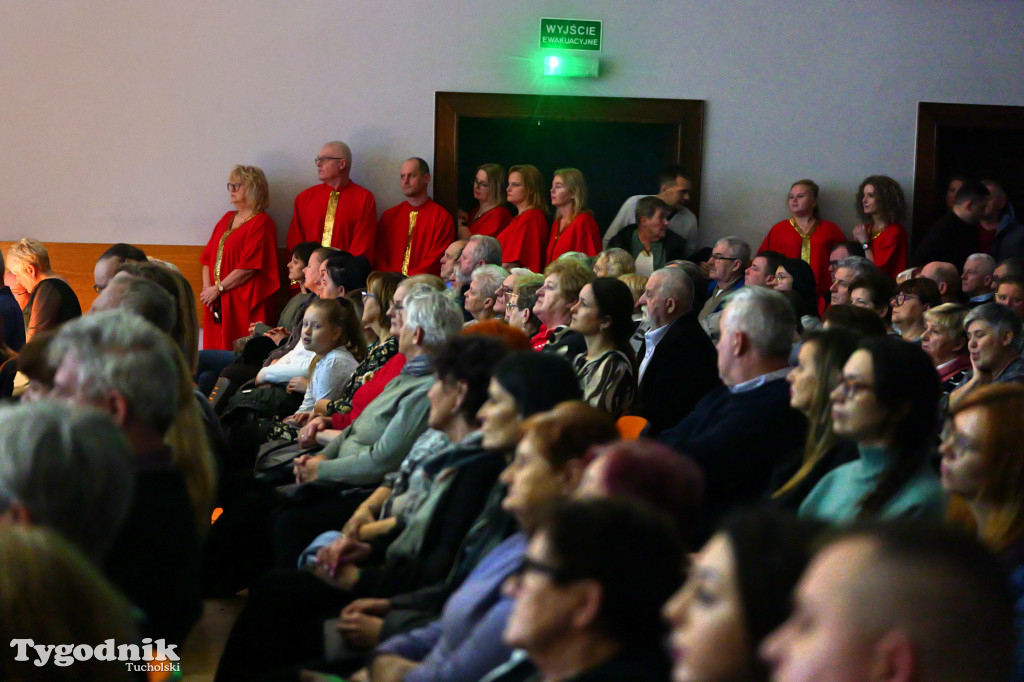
(889, 249)
(784, 238)
(251, 246)
(433, 232)
(525, 239)
(582, 234)
(490, 223)
(355, 219)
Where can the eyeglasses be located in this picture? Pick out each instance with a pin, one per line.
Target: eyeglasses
(503, 291)
(482, 184)
(234, 186)
(527, 564)
(783, 275)
(900, 299)
(848, 386)
(367, 294)
(320, 159)
(98, 289)
(718, 256)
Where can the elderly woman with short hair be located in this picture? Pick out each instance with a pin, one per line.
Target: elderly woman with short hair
(239, 262)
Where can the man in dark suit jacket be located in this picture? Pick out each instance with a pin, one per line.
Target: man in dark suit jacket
(677, 359)
(649, 242)
(738, 433)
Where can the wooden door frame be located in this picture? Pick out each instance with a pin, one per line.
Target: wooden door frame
(932, 117)
(686, 114)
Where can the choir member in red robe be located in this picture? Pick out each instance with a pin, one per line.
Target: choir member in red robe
(490, 216)
(239, 263)
(574, 228)
(881, 207)
(525, 240)
(806, 236)
(339, 212)
(412, 236)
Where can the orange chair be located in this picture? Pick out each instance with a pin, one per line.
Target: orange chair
(631, 427)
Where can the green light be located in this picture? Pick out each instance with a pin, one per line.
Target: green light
(571, 64)
(551, 66)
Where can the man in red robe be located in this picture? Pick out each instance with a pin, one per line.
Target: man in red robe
(412, 236)
(338, 212)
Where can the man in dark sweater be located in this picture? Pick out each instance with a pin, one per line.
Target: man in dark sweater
(739, 432)
(955, 236)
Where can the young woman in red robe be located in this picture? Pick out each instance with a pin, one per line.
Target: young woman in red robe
(574, 228)
(805, 236)
(239, 262)
(490, 216)
(524, 240)
(881, 207)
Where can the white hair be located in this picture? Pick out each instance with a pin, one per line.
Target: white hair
(490, 276)
(765, 316)
(433, 312)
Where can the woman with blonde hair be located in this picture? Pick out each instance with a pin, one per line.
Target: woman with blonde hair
(239, 262)
(614, 262)
(51, 302)
(490, 216)
(574, 228)
(523, 241)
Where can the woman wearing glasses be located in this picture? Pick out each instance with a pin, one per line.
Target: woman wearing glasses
(574, 228)
(490, 216)
(909, 305)
(886, 402)
(239, 262)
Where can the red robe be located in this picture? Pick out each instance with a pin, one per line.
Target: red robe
(785, 239)
(889, 248)
(355, 220)
(582, 234)
(253, 246)
(365, 394)
(434, 231)
(490, 223)
(525, 239)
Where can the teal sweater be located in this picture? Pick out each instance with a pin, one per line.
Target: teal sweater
(837, 495)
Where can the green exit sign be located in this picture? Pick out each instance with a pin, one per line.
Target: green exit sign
(570, 34)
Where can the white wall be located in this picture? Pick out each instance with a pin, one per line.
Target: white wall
(120, 119)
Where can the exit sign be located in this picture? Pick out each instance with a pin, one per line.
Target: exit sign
(570, 34)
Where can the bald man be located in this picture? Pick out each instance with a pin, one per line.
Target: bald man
(337, 212)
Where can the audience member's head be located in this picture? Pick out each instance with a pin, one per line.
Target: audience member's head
(859, 320)
(524, 384)
(450, 260)
(1010, 292)
(531, 193)
(879, 196)
(29, 262)
(842, 251)
(992, 331)
(52, 595)
(761, 272)
(649, 472)
(109, 261)
(636, 284)
(480, 250)
(794, 274)
(491, 190)
(846, 271)
(728, 260)
(1011, 266)
(971, 199)
(737, 591)
(186, 325)
(996, 203)
(563, 281)
(605, 309)
(918, 601)
(757, 330)
(430, 320)
(519, 306)
(651, 219)
(613, 262)
(576, 602)
(674, 186)
(299, 261)
(512, 338)
(978, 275)
(378, 297)
(944, 337)
(888, 396)
(955, 183)
(462, 372)
(479, 301)
(667, 297)
(819, 368)
(873, 292)
(144, 297)
(66, 469)
(913, 298)
(35, 363)
(946, 278)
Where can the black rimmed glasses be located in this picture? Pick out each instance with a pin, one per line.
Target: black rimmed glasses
(900, 299)
(850, 386)
(482, 184)
(234, 186)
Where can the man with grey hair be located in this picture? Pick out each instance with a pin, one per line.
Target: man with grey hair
(67, 469)
(337, 212)
(480, 250)
(379, 439)
(847, 270)
(677, 359)
(978, 279)
(992, 334)
(144, 297)
(729, 259)
(479, 299)
(738, 433)
(120, 363)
